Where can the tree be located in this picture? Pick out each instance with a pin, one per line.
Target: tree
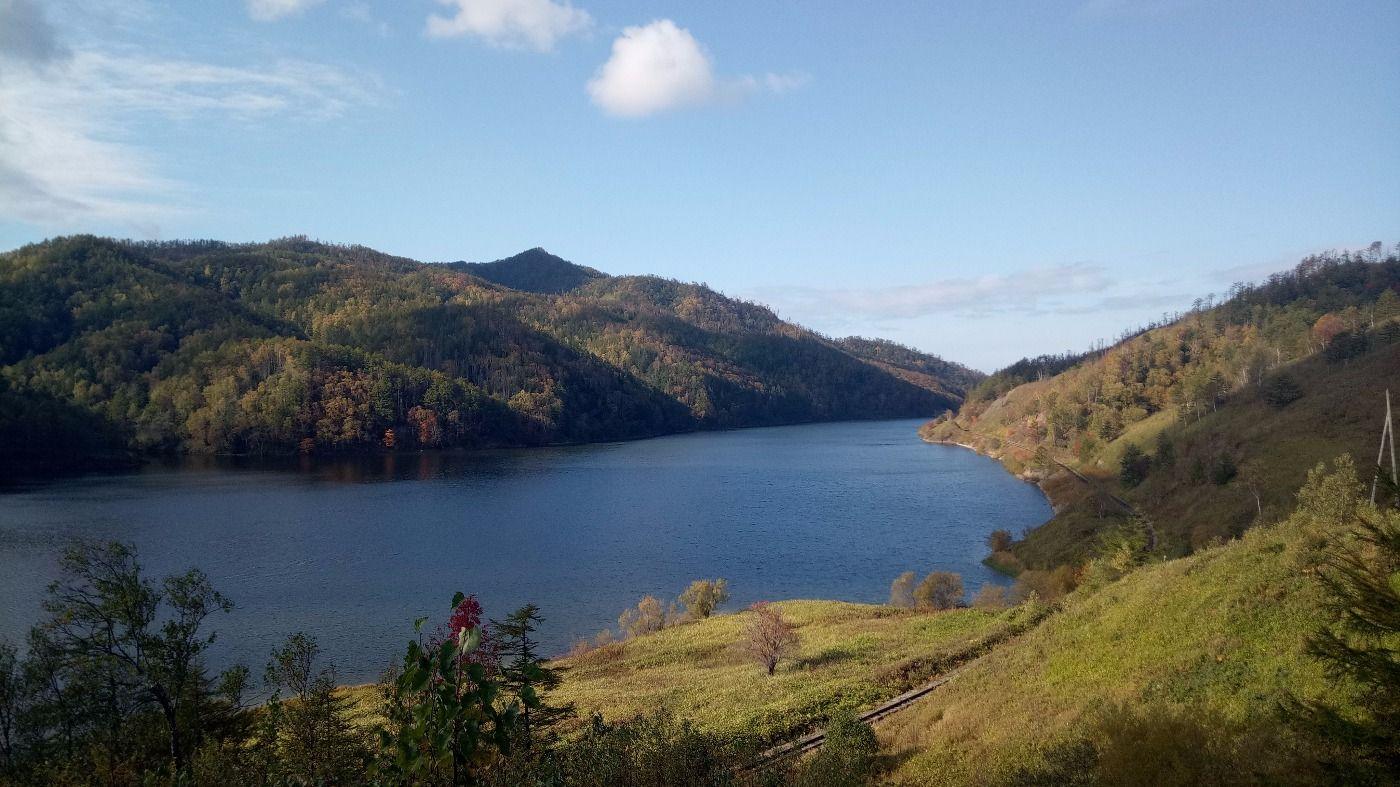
(527, 675)
(12, 693)
(769, 637)
(645, 618)
(1359, 576)
(134, 641)
(999, 540)
(939, 590)
(902, 590)
(1327, 327)
(1166, 451)
(1282, 390)
(1133, 466)
(310, 731)
(1387, 308)
(703, 596)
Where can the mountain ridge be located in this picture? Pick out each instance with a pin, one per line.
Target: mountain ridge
(295, 345)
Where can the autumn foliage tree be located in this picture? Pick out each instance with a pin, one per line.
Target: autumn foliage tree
(702, 597)
(648, 617)
(939, 590)
(902, 590)
(769, 637)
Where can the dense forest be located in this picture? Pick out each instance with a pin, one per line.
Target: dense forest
(110, 349)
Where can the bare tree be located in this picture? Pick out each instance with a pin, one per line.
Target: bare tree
(769, 637)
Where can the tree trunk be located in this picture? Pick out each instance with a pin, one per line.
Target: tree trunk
(172, 723)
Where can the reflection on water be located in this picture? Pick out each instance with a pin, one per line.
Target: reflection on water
(352, 549)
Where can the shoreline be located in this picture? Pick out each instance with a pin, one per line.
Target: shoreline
(1039, 480)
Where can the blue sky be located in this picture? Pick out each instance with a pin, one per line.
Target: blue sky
(979, 180)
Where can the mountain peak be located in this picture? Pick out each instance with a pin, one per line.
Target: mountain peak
(533, 270)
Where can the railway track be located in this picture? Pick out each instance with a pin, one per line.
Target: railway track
(815, 740)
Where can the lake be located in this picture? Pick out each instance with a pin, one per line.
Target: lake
(351, 550)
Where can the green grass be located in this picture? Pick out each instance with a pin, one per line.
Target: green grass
(851, 655)
(1221, 630)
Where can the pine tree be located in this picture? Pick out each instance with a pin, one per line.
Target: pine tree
(527, 675)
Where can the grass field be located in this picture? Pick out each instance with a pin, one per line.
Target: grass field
(851, 655)
(1217, 635)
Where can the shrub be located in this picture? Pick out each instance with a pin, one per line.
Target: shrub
(1045, 585)
(902, 590)
(703, 596)
(656, 750)
(1224, 470)
(769, 637)
(645, 618)
(846, 759)
(444, 724)
(939, 590)
(991, 598)
(999, 540)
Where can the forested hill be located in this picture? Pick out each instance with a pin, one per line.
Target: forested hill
(920, 368)
(1204, 424)
(117, 348)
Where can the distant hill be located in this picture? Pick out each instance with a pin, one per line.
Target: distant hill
(913, 365)
(535, 270)
(111, 348)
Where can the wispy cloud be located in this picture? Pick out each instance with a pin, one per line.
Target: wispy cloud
(68, 152)
(515, 24)
(270, 10)
(661, 66)
(1039, 289)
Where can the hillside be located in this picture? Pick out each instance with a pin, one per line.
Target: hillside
(919, 368)
(851, 656)
(112, 348)
(1174, 674)
(1220, 412)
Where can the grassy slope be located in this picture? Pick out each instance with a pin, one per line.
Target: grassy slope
(851, 655)
(1340, 412)
(1222, 628)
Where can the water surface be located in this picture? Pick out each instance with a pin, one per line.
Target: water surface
(351, 550)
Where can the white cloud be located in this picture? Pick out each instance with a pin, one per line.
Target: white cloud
(66, 149)
(523, 24)
(269, 10)
(660, 66)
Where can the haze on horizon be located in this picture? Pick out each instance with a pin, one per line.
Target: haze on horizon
(978, 182)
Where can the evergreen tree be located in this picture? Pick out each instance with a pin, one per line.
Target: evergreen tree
(528, 676)
(1361, 577)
